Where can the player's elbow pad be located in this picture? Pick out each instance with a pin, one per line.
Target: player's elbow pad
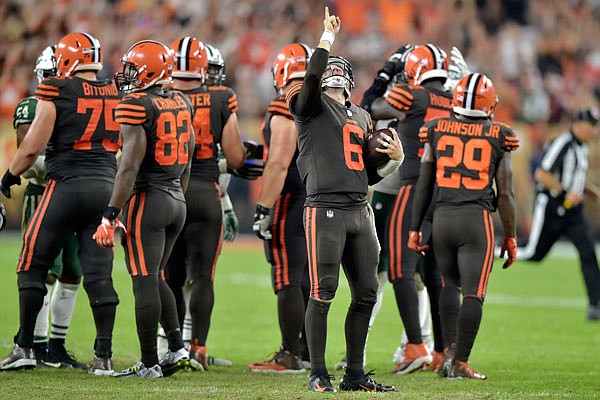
(389, 167)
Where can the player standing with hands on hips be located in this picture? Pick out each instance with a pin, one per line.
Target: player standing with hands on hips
(338, 221)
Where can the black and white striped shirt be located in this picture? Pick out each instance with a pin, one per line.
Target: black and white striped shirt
(567, 159)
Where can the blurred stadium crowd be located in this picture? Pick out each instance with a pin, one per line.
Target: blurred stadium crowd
(543, 55)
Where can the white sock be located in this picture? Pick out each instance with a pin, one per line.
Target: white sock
(62, 307)
(40, 332)
(424, 312)
(187, 320)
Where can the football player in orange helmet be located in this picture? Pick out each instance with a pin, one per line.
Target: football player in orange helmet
(422, 98)
(338, 221)
(153, 174)
(463, 231)
(78, 52)
(65, 274)
(215, 124)
(81, 109)
(278, 216)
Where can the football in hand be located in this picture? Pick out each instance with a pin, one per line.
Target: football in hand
(373, 157)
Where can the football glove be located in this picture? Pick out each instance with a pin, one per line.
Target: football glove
(414, 242)
(457, 69)
(2, 216)
(509, 246)
(249, 171)
(7, 181)
(254, 151)
(105, 233)
(262, 222)
(395, 64)
(230, 221)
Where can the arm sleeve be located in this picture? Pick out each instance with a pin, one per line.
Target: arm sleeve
(308, 100)
(377, 89)
(423, 194)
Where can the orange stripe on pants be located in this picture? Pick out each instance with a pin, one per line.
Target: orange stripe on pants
(489, 255)
(33, 227)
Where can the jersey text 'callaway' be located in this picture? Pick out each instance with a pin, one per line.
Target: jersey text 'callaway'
(85, 136)
(166, 116)
(467, 154)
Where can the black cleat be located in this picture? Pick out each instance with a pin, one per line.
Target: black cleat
(364, 384)
(321, 383)
(57, 354)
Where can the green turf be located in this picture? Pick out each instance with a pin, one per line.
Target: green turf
(534, 340)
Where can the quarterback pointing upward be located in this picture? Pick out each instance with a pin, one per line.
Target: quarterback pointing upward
(338, 220)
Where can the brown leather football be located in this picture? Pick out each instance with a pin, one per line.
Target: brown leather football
(373, 157)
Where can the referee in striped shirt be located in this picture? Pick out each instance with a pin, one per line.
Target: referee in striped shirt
(558, 209)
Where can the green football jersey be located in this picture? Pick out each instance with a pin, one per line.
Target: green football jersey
(25, 111)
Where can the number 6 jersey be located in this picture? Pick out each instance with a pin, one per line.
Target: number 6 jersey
(85, 136)
(467, 154)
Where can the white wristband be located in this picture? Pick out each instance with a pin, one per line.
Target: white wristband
(389, 167)
(328, 36)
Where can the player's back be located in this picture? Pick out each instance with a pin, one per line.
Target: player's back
(212, 108)
(85, 136)
(166, 118)
(278, 107)
(420, 104)
(467, 153)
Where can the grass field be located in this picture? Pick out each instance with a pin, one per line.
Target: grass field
(534, 341)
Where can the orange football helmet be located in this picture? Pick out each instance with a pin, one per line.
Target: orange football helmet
(426, 62)
(146, 63)
(474, 96)
(191, 58)
(290, 63)
(78, 52)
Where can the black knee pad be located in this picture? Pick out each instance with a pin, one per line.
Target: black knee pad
(327, 287)
(322, 307)
(101, 292)
(363, 308)
(32, 279)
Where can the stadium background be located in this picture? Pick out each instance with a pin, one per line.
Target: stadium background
(543, 56)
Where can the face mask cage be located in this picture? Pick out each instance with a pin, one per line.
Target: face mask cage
(215, 74)
(127, 79)
(334, 79)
